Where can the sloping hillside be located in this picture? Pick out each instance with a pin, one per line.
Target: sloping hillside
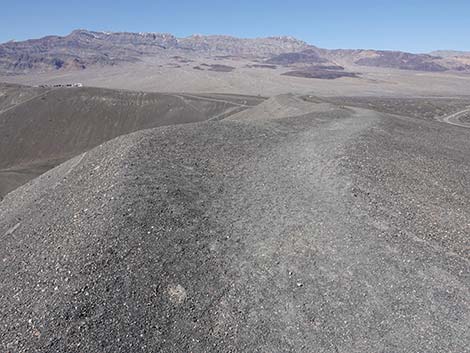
(341, 229)
(11, 94)
(57, 124)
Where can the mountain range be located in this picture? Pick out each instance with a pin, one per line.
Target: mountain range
(83, 48)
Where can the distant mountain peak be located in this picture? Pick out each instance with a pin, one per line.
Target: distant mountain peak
(286, 38)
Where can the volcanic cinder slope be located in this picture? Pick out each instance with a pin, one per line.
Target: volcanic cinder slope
(309, 227)
(11, 95)
(42, 127)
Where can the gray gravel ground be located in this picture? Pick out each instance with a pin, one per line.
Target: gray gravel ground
(337, 231)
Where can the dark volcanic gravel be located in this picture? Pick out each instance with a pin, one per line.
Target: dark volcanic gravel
(344, 231)
(320, 73)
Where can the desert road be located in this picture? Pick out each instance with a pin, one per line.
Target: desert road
(454, 119)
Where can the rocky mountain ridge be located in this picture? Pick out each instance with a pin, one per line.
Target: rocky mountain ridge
(83, 48)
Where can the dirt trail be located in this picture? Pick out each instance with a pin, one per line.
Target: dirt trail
(181, 95)
(453, 119)
(26, 101)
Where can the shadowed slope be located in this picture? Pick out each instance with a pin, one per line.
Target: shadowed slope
(47, 129)
(11, 94)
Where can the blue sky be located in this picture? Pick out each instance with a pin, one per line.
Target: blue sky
(409, 25)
